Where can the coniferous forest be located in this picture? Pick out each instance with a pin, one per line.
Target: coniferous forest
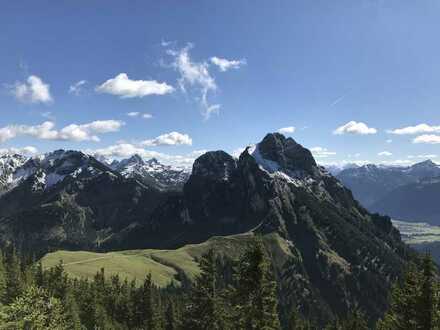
(227, 294)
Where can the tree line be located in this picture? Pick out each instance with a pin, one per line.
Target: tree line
(226, 295)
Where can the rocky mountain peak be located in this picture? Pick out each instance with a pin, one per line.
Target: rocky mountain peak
(136, 159)
(133, 160)
(278, 153)
(153, 161)
(214, 164)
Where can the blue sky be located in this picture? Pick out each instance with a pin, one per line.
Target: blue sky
(220, 75)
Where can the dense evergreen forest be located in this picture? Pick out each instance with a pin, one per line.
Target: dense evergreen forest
(227, 294)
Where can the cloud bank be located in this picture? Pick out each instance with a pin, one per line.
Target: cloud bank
(72, 132)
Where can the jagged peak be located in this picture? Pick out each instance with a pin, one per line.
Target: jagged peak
(153, 161)
(278, 153)
(136, 159)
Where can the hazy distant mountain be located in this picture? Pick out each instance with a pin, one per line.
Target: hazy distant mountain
(418, 201)
(371, 183)
(335, 169)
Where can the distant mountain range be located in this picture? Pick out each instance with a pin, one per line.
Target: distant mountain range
(328, 248)
(406, 193)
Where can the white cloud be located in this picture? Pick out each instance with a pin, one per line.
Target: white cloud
(28, 150)
(418, 129)
(389, 141)
(354, 127)
(168, 139)
(427, 138)
(77, 87)
(124, 87)
(319, 152)
(138, 114)
(224, 64)
(33, 90)
(72, 132)
(195, 75)
(385, 153)
(287, 130)
(123, 150)
(133, 114)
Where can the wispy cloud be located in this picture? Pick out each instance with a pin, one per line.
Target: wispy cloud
(225, 65)
(336, 101)
(385, 153)
(77, 88)
(195, 75)
(139, 114)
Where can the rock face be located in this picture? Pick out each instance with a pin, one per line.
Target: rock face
(370, 183)
(331, 254)
(279, 153)
(9, 163)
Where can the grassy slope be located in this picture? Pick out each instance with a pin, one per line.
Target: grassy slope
(162, 264)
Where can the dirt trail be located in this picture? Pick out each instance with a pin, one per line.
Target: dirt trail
(86, 260)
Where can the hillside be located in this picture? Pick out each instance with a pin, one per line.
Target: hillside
(165, 266)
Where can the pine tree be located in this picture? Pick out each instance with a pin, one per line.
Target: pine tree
(148, 312)
(35, 309)
(355, 321)
(296, 322)
(426, 304)
(72, 312)
(13, 278)
(255, 296)
(2, 278)
(205, 309)
(415, 303)
(171, 322)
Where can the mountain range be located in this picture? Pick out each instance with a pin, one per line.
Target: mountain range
(328, 249)
(404, 193)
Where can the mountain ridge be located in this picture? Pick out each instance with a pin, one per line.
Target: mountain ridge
(369, 183)
(332, 246)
